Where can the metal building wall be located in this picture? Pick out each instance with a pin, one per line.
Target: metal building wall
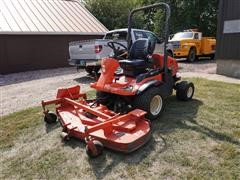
(228, 45)
(31, 52)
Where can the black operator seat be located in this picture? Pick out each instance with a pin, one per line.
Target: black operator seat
(138, 57)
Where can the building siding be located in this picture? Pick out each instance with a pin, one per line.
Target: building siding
(228, 45)
(31, 52)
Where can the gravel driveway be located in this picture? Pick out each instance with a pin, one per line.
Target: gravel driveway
(201, 66)
(23, 90)
(27, 89)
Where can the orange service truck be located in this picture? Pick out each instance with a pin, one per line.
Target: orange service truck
(190, 44)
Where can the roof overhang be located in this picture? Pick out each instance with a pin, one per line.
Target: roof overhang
(52, 33)
(53, 17)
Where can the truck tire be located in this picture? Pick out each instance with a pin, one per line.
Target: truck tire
(150, 101)
(92, 69)
(212, 56)
(96, 69)
(192, 55)
(89, 69)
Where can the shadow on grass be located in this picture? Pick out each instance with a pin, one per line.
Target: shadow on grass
(104, 164)
(213, 134)
(51, 127)
(182, 115)
(74, 143)
(176, 115)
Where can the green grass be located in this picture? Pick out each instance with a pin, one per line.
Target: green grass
(199, 139)
(15, 124)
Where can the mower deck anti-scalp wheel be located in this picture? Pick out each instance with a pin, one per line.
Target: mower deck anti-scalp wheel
(50, 117)
(184, 90)
(65, 136)
(151, 101)
(98, 147)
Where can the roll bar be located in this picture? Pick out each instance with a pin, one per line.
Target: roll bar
(168, 13)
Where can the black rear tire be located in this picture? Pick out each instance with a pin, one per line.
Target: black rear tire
(184, 90)
(145, 102)
(192, 55)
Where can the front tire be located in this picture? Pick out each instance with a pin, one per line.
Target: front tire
(104, 98)
(150, 101)
(184, 90)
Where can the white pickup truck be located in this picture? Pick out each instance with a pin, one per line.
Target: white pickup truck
(88, 54)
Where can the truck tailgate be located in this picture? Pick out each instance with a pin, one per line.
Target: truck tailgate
(86, 50)
(82, 50)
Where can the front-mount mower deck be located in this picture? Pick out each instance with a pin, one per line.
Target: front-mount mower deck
(116, 118)
(96, 124)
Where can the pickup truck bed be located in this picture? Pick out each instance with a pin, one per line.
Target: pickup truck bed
(88, 54)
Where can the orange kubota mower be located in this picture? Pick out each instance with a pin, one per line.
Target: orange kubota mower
(116, 118)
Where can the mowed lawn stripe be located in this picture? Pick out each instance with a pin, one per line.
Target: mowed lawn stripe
(199, 139)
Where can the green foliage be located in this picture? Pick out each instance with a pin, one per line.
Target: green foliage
(201, 14)
(16, 123)
(112, 13)
(185, 14)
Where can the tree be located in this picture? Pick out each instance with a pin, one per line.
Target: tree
(112, 13)
(186, 14)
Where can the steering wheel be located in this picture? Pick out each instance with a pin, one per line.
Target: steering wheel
(117, 51)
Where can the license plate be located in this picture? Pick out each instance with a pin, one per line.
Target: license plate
(99, 62)
(91, 63)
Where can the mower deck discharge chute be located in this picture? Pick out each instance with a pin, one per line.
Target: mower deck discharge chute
(116, 118)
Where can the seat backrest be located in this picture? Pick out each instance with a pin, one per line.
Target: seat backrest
(141, 48)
